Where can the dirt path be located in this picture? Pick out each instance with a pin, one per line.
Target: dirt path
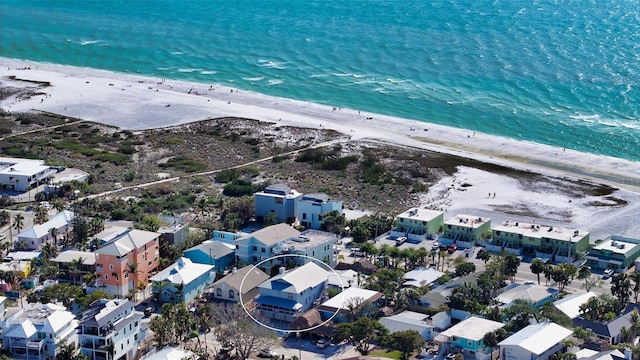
(211, 172)
(41, 129)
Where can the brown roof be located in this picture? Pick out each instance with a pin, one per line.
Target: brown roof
(365, 267)
(255, 278)
(308, 319)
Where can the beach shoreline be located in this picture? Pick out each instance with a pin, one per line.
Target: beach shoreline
(134, 102)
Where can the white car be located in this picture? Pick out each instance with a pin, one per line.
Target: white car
(322, 343)
(3, 236)
(266, 353)
(607, 273)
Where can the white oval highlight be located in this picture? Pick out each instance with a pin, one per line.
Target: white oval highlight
(289, 330)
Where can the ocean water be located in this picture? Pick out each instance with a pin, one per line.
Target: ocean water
(563, 73)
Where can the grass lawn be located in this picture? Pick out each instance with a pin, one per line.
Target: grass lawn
(395, 354)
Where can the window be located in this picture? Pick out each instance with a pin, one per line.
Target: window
(126, 275)
(106, 277)
(262, 250)
(231, 294)
(255, 248)
(218, 292)
(279, 201)
(110, 267)
(304, 216)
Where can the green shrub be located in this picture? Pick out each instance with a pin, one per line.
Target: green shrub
(184, 164)
(238, 188)
(227, 175)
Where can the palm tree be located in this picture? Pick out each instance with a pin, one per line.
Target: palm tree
(537, 267)
(4, 217)
(160, 286)
(384, 252)
(18, 222)
(142, 287)
(41, 215)
(132, 268)
(75, 268)
(635, 276)
(48, 251)
(54, 235)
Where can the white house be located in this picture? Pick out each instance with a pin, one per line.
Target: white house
(35, 331)
(535, 342)
(290, 293)
(35, 237)
(421, 277)
(349, 302)
(570, 304)
(111, 324)
(423, 324)
(529, 291)
(21, 174)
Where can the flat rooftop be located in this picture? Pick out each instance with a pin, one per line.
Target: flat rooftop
(308, 239)
(541, 231)
(420, 214)
(469, 221)
(617, 245)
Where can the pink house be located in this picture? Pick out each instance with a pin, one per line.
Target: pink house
(126, 259)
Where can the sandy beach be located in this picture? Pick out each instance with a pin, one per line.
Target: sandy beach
(136, 102)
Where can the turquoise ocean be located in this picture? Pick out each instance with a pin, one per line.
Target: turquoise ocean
(563, 73)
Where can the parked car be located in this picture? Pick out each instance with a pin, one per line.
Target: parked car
(435, 246)
(149, 310)
(480, 253)
(401, 240)
(267, 353)
(322, 343)
(607, 273)
(452, 248)
(3, 236)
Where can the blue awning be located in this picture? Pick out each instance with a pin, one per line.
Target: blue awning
(281, 303)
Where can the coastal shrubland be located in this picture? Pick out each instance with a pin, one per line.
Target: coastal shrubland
(367, 175)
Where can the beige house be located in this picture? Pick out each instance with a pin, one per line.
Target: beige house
(240, 284)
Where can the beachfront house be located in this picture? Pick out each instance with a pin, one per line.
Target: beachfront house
(418, 224)
(279, 200)
(535, 342)
(615, 252)
(467, 337)
(241, 285)
(126, 258)
(183, 281)
(23, 174)
(214, 253)
(36, 331)
(111, 326)
(546, 242)
(290, 293)
(282, 239)
(35, 237)
(466, 231)
(312, 207)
